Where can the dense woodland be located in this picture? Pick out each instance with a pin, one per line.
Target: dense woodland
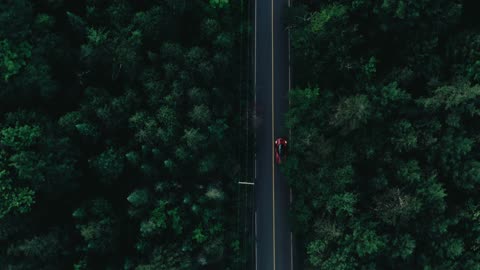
(121, 141)
(385, 146)
(119, 134)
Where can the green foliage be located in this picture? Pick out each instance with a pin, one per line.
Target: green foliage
(98, 231)
(404, 138)
(193, 138)
(14, 199)
(366, 242)
(29, 163)
(78, 24)
(396, 207)
(219, 3)
(352, 112)
(198, 236)
(19, 138)
(223, 41)
(116, 134)
(157, 222)
(383, 119)
(87, 130)
(109, 164)
(166, 258)
(214, 193)
(343, 204)
(200, 114)
(13, 58)
(177, 225)
(450, 97)
(39, 247)
(207, 164)
(210, 27)
(44, 22)
(218, 129)
(370, 68)
(403, 246)
(330, 13)
(138, 197)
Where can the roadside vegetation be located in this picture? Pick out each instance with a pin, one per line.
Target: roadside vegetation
(384, 159)
(119, 134)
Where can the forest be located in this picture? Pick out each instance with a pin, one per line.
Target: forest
(120, 135)
(384, 160)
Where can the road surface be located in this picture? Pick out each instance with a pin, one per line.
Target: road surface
(274, 249)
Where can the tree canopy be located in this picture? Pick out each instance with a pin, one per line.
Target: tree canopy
(383, 116)
(118, 133)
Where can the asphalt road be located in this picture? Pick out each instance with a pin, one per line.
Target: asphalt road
(274, 249)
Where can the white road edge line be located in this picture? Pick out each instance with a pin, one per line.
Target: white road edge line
(255, 133)
(255, 224)
(273, 136)
(256, 251)
(255, 56)
(290, 131)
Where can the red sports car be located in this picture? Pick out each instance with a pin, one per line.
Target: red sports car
(280, 150)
